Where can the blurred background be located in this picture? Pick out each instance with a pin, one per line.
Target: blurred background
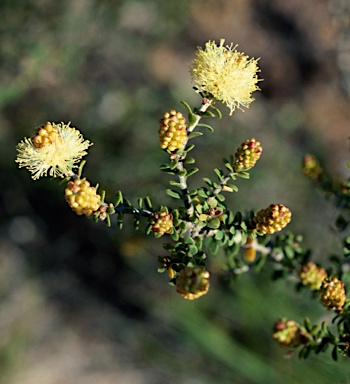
(83, 303)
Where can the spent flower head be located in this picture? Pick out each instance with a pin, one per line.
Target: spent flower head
(53, 151)
(225, 74)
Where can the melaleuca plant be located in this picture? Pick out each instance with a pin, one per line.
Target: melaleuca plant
(327, 284)
(199, 223)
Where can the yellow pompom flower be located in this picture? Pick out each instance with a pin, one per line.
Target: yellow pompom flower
(54, 150)
(225, 74)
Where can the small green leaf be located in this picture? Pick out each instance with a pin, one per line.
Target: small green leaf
(103, 195)
(233, 187)
(192, 171)
(307, 324)
(221, 198)
(289, 252)
(199, 245)
(189, 110)
(217, 111)
(189, 240)
(148, 202)
(208, 181)
(192, 118)
(81, 166)
(127, 202)
(148, 229)
(173, 164)
(174, 194)
(120, 220)
(190, 160)
(194, 134)
(174, 235)
(118, 198)
(96, 216)
(228, 165)
(189, 148)
(219, 235)
(219, 173)
(140, 202)
(175, 183)
(207, 114)
(243, 175)
(192, 250)
(164, 167)
(202, 193)
(108, 221)
(209, 127)
(214, 223)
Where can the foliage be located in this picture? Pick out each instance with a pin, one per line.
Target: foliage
(199, 223)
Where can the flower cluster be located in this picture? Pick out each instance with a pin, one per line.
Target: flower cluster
(289, 333)
(312, 276)
(272, 219)
(172, 131)
(311, 167)
(192, 282)
(54, 150)
(247, 155)
(225, 74)
(81, 197)
(332, 293)
(162, 222)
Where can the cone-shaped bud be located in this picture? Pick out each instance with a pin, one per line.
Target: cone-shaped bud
(162, 222)
(312, 276)
(332, 293)
(172, 131)
(45, 135)
(247, 155)
(192, 282)
(311, 167)
(82, 198)
(272, 219)
(289, 333)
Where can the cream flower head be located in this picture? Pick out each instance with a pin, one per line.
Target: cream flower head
(225, 74)
(54, 151)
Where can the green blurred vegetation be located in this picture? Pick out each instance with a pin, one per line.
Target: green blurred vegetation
(83, 303)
